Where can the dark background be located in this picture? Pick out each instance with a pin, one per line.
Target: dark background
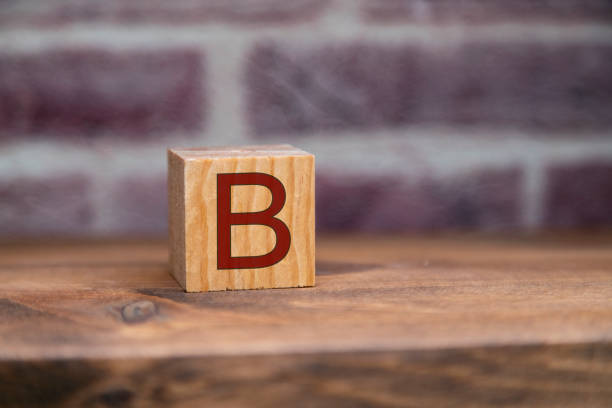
(424, 115)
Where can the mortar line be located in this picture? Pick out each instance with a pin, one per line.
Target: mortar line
(318, 32)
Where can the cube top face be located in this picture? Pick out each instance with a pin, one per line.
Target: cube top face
(233, 152)
(241, 217)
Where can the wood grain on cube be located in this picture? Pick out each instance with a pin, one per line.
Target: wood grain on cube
(192, 177)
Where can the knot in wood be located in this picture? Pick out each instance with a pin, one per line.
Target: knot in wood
(138, 311)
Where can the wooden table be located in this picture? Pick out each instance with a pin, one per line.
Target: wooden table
(393, 321)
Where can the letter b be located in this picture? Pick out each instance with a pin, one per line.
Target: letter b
(226, 218)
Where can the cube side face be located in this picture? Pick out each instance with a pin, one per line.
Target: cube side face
(176, 216)
(295, 269)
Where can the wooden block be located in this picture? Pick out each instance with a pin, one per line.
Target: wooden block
(241, 217)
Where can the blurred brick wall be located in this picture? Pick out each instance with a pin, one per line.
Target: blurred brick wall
(423, 114)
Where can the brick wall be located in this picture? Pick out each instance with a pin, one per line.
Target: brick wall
(423, 114)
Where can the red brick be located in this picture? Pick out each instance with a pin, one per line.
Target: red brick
(557, 87)
(58, 12)
(480, 200)
(140, 206)
(91, 92)
(440, 11)
(579, 195)
(45, 206)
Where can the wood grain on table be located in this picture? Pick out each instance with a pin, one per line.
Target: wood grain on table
(392, 321)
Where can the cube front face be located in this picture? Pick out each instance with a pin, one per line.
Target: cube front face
(242, 218)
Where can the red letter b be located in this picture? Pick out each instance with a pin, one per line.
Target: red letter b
(226, 218)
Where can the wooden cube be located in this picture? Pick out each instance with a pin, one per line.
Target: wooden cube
(241, 217)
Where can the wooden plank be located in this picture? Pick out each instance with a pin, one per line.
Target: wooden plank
(393, 321)
(528, 376)
(209, 252)
(371, 294)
